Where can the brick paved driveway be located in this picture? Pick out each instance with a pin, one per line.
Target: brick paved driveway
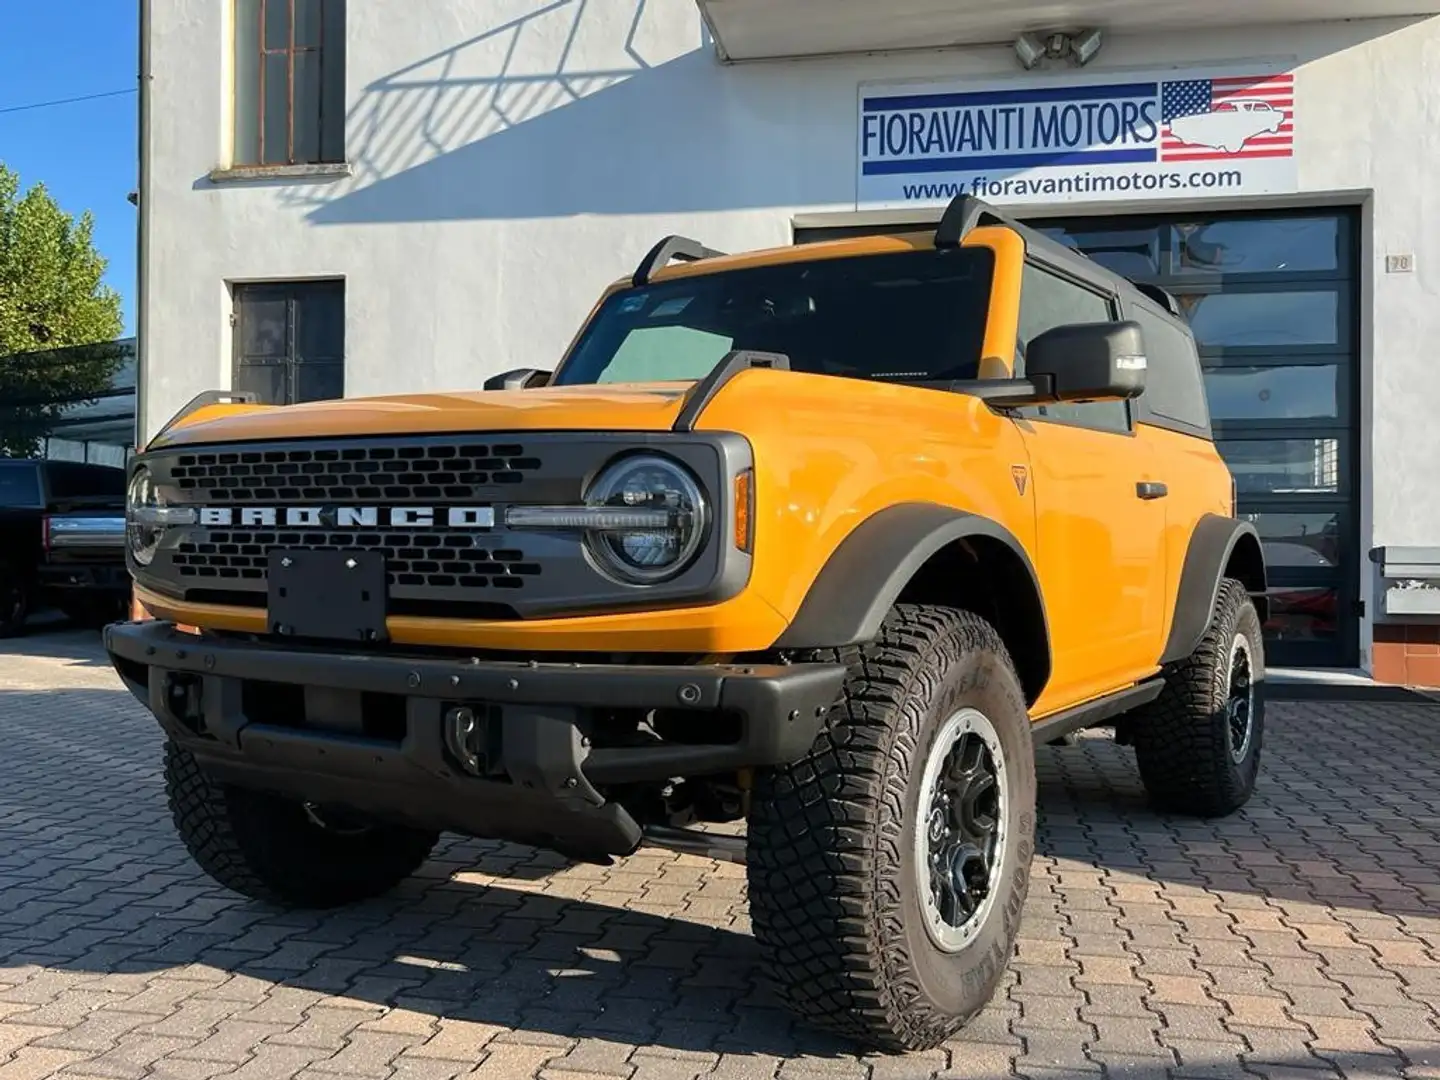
(1299, 938)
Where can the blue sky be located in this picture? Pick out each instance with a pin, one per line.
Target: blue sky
(84, 153)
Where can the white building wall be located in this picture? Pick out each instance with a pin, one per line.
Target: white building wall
(511, 157)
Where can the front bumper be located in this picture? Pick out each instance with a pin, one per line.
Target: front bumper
(542, 777)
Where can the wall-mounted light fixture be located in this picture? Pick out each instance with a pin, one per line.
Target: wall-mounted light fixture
(1028, 50)
(1085, 45)
(1079, 48)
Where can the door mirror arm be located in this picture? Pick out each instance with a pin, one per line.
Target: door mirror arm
(1002, 393)
(1078, 362)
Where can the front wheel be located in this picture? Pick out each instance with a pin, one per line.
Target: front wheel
(1198, 744)
(888, 869)
(282, 852)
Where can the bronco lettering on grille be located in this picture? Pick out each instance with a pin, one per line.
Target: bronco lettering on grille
(349, 517)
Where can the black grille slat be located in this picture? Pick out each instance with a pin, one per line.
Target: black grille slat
(423, 558)
(355, 474)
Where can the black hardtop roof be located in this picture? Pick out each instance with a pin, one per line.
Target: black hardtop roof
(964, 214)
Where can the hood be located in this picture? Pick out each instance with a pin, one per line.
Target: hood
(632, 407)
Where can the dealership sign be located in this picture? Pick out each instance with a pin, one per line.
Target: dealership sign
(1180, 133)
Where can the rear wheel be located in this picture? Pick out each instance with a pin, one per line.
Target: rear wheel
(888, 869)
(282, 852)
(1198, 744)
(14, 601)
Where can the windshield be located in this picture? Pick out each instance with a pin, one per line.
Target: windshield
(907, 317)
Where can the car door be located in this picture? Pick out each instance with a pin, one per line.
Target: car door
(1099, 530)
(1173, 421)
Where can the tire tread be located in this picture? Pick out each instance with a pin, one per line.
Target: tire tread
(1180, 746)
(823, 830)
(250, 843)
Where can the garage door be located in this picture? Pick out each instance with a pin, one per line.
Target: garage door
(1272, 301)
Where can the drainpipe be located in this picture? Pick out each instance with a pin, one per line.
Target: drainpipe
(142, 252)
(142, 238)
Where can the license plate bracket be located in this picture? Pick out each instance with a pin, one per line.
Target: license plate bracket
(328, 595)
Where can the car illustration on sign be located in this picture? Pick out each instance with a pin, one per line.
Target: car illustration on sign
(1230, 125)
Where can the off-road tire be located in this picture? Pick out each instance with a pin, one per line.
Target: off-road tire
(1183, 738)
(14, 602)
(269, 849)
(833, 880)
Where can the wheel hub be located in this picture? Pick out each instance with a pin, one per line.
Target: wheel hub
(1240, 699)
(937, 825)
(959, 850)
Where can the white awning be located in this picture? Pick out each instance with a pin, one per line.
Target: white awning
(774, 29)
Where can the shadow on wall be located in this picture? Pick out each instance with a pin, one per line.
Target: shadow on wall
(500, 127)
(605, 107)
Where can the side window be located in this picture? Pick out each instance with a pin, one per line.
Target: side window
(19, 486)
(1047, 301)
(77, 481)
(1174, 389)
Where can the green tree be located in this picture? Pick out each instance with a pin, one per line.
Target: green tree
(51, 296)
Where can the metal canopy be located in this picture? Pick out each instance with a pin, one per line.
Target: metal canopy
(775, 29)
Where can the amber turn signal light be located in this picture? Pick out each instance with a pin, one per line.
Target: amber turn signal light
(744, 509)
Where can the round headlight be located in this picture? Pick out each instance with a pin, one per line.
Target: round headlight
(142, 536)
(643, 556)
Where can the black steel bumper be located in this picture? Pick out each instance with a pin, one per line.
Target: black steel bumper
(541, 780)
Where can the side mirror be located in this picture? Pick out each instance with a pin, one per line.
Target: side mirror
(518, 379)
(1088, 362)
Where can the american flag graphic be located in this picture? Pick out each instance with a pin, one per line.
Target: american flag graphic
(1249, 116)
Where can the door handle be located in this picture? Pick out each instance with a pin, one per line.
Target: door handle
(1150, 489)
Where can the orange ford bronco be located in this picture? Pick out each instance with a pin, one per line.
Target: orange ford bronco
(825, 539)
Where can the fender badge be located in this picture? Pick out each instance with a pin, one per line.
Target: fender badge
(1018, 474)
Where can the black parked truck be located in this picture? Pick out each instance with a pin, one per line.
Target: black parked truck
(62, 541)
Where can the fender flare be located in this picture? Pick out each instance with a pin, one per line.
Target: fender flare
(1212, 545)
(867, 572)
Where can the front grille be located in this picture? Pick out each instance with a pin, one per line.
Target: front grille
(342, 494)
(428, 566)
(426, 559)
(349, 474)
